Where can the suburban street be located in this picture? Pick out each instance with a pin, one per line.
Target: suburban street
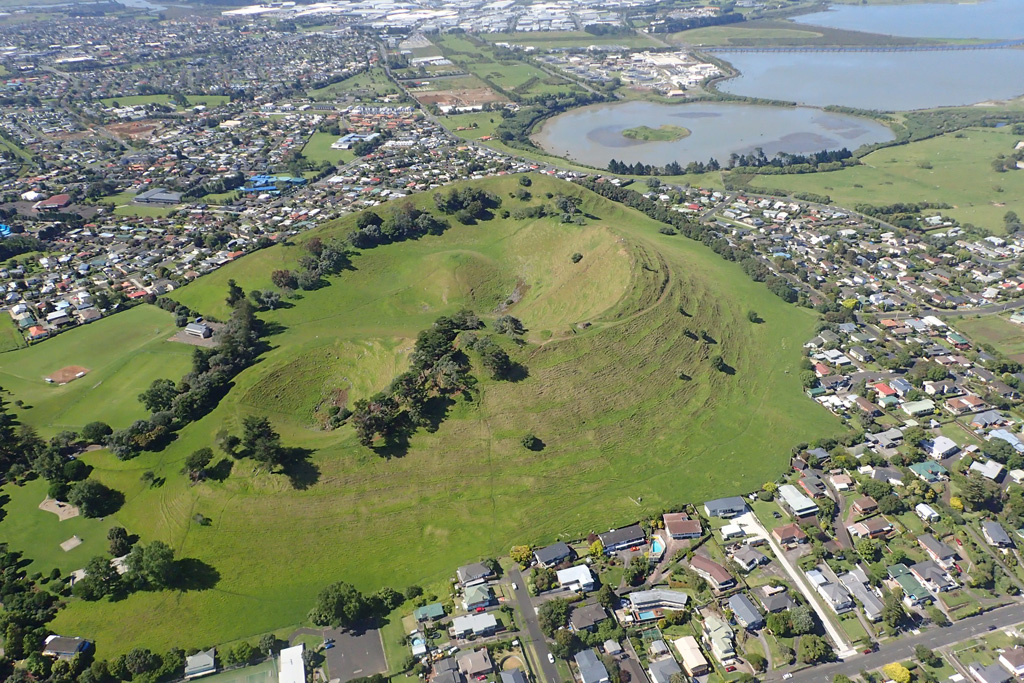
(548, 671)
(903, 648)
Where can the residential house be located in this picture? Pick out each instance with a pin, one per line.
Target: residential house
(775, 599)
(474, 574)
(926, 512)
(993, 673)
(930, 471)
(447, 671)
(796, 502)
(888, 475)
(590, 667)
(694, 663)
(865, 505)
(712, 572)
(477, 597)
(837, 597)
(480, 624)
(201, 663)
(890, 438)
(725, 508)
(901, 386)
(748, 558)
(620, 539)
(789, 533)
(430, 612)
(478, 663)
(933, 577)
(587, 617)
(657, 599)
(963, 405)
(990, 470)
(856, 582)
(812, 485)
(745, 612)
(913, 592)
(679, 526)
(875, 527)
(514, 676)
(720, 638)
(554, 554)
(996, 535)
(662, 670)
(576, 578)
(1012, 660)
(990, 418)
(937, 550)
(942, 447)
(918, 408)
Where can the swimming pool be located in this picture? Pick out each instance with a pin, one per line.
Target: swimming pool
(656, 546)
(645, 616)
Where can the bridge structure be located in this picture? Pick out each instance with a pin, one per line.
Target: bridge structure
(1001, 45)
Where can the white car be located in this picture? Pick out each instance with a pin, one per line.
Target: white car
(515, 586)
(786, 677)
(551, 658)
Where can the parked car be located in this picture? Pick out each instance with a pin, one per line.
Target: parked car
(551, 658)
(515, 586)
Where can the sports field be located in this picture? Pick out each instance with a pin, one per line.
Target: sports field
(38, 534)
(955, 168)
(368, 86)
(319, 149)
(624, 434)
(10, 336)
(547, 40)
(124, 354)
(1005, 337)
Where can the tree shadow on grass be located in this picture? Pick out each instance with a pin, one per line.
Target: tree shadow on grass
(220, 471)
(517, 373)
(435, 411)
(300, 471)
(4, 500)
(194, 575)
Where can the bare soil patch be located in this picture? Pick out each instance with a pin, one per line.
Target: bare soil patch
(460, 98)
(71, 543)
(136, 129)
(68, 374)
(62, 510)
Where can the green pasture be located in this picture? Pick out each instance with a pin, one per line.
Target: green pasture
(319, 149)
(368, 85)
(955, 168)
(10, 337)
(1005, 337)
(633, 417)
(554, 39)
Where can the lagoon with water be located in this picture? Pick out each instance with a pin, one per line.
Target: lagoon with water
(593, 135)
(988, 19)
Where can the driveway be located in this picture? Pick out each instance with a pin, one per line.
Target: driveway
(546, 670)
(354, 655)
(752, 526)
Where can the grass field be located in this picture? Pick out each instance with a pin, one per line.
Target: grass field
(319, 149)
(949, 168)
(366, 86)
(737, 35)
(618, 423)
(10, 336)
(124, 354)
(193, 100)
(1005, 337)
(547, 40)
(38, 534)
(520, 77)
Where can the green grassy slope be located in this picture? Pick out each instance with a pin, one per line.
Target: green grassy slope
(625, 436)
(124, 354)
(951, 169)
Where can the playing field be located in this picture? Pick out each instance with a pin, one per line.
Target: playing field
(625, 435)
(10, 336)
(124, 354)
(1005, 337)
(319, 149)
(368, 86)
(547, 40)
(955, 169)
(38, 534)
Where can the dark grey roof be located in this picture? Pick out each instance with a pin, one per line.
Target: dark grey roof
(591, 668)
(778, 602)
(662, 669)
(624, 535)
(727, 505)
(513, 676)
(555, 552)
(997, 533)
(586, 616)
(745, 611)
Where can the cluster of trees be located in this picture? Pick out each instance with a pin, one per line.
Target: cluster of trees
(405, 222)
(674, 25)
(175, 405)
(148, 567)
(23, 453)
(437, 369)
(321, 259)
(791, 622)
(672, 168)
(15, 245)
(342, 605)
(679, 223)
(898, 208)
(28, 606)
(182, 313)
(516, 125)
(494, 358)
(467, 204)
